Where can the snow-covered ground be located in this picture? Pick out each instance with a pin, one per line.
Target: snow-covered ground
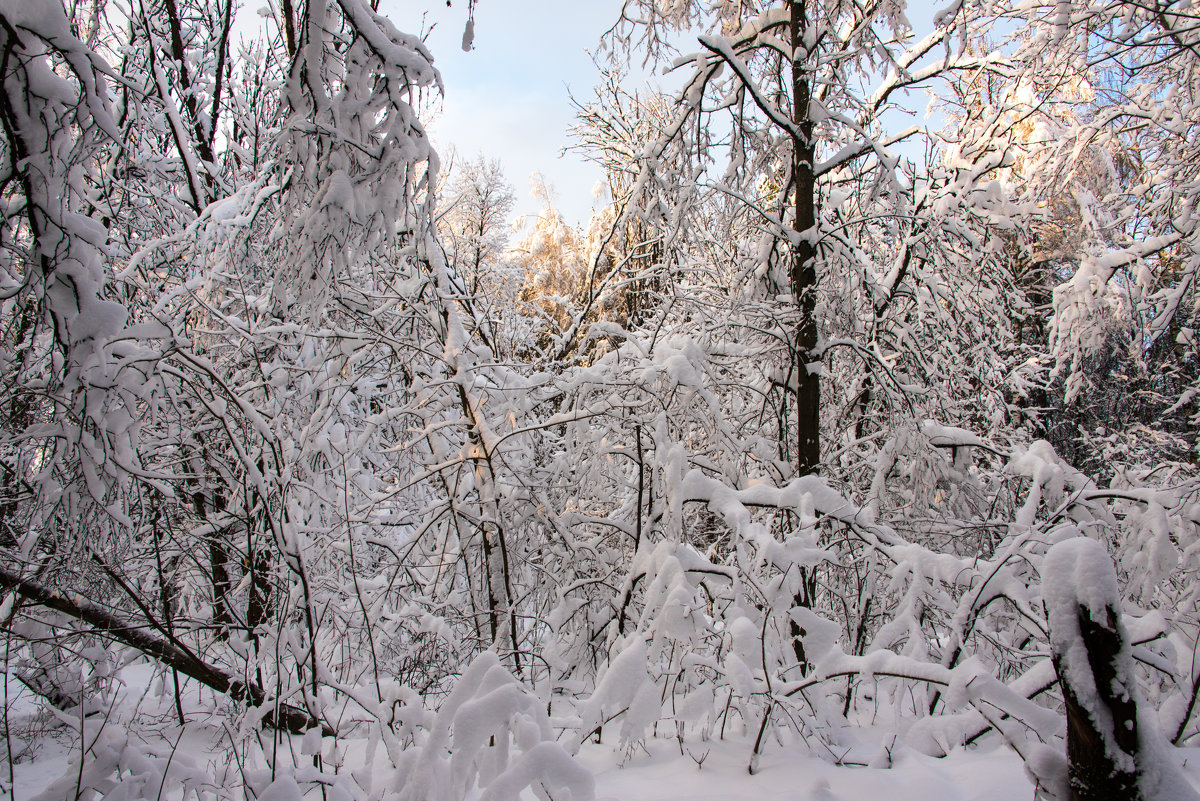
(657, 769)
(987, 774)
(659, 773)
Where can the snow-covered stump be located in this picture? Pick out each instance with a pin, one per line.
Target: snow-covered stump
(1095, 669)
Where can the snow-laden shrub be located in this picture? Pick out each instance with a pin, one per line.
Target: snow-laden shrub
(492, 735)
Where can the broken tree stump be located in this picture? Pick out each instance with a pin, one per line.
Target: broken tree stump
(1095, 669)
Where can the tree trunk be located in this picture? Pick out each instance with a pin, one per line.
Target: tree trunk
(803, 268)
(218, 563)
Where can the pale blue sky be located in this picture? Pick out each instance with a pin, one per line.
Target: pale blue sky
(508, 98)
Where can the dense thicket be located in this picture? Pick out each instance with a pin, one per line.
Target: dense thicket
(779, 447)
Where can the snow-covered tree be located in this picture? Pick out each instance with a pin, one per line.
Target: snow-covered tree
(477, 223)
(758, 452)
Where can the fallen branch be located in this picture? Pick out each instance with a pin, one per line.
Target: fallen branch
(282, 716)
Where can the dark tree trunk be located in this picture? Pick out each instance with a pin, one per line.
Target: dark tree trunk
(218, 563)
(803, 268)
(803, 275)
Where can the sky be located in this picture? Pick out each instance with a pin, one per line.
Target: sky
(508, 98)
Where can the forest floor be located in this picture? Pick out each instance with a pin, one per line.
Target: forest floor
(988, 774)
(653, 770)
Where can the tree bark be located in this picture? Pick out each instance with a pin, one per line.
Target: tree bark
(218, 562)
(803, 268)
(803, 275)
